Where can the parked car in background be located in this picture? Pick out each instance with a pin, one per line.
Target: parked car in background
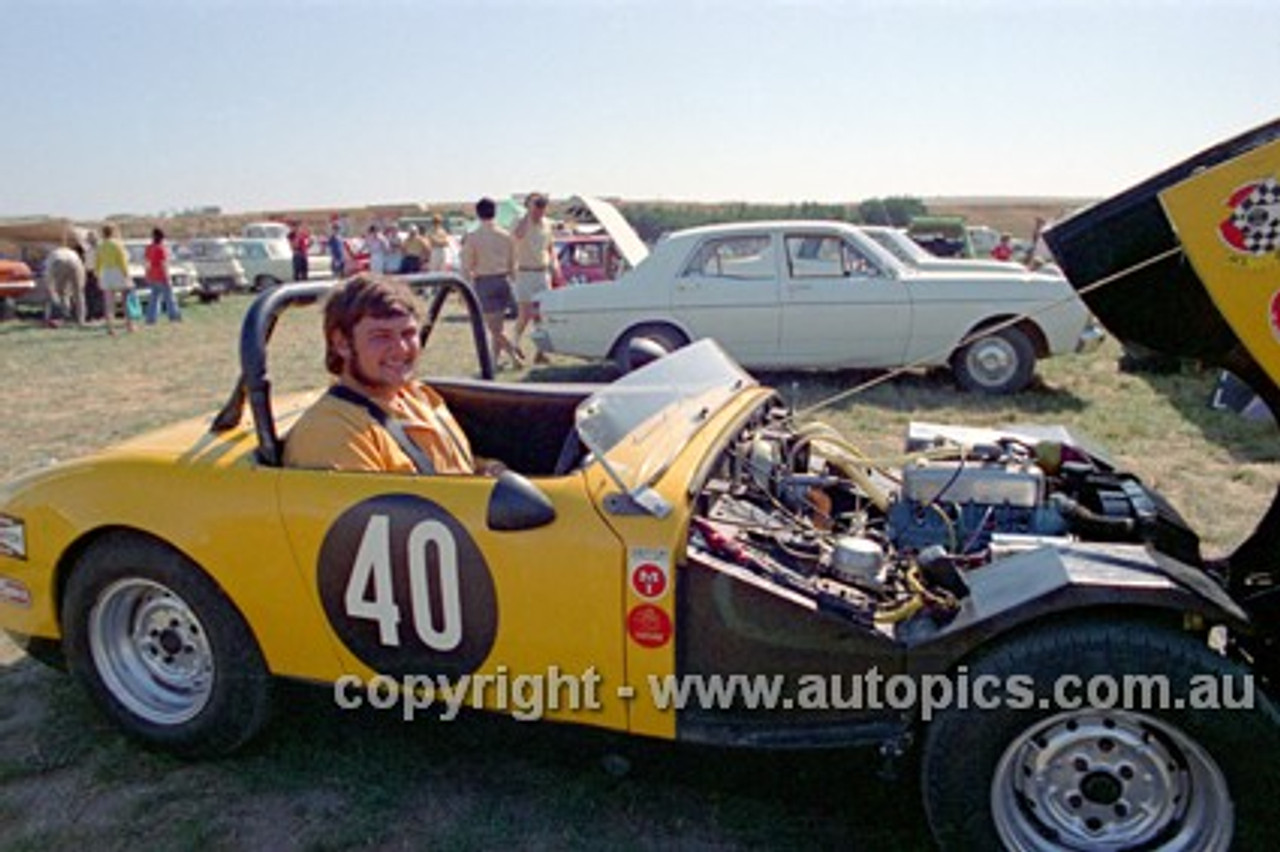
(587, 259)
(16, 279)
(217, 262)
(820, 295)
(982, 238)
(268, 262)
(266, 231)
(183, 276)
(941, 236)
(900, 245)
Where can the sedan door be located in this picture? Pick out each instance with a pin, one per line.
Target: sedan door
(728, 290)
(841, 307)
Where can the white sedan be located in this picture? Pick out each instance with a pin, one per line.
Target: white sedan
(819, 295)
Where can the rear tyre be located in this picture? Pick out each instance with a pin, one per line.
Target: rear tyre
(162, 650)
(1157, 776)
(646, 343)
(998, 363)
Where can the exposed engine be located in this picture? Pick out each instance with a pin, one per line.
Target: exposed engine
(882, 541)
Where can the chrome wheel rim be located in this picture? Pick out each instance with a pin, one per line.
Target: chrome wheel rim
(151, 651)
(1109, 780)
(991, 361)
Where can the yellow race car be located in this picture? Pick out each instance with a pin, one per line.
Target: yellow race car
(678, 555)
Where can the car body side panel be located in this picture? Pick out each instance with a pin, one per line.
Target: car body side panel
(837, 316)
(240, 545)
(738, 307)
(945, 310)
(551, 601)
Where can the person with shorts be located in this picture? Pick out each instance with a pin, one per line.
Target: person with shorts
(112, 265)
(489, 258)
(536, 263)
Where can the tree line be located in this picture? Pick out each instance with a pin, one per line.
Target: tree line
(652, 219)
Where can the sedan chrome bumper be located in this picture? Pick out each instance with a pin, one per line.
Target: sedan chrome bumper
(1091, 338)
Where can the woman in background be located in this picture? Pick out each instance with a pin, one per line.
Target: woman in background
(112, 268)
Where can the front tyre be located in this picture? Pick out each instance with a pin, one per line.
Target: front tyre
(645, 344)
(998, 363)
(1038, 776)
(162, 650)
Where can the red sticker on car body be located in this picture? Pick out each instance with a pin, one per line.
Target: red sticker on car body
(1274, 315)
(649, 626)
(649, 580)
(1253, 227)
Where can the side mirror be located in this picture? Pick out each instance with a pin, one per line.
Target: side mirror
(518, 504)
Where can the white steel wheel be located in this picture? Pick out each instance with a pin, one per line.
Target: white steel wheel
(151, 651)
(1109, 780)
(162, 649)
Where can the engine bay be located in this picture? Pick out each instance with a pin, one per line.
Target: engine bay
(886, 541)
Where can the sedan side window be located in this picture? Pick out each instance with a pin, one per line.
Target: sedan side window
(815, 256)
(746, 257)
(858, 264)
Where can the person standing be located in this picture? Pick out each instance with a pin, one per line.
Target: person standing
(337, 251)
(64, 282)
(440, 243)
(378, 248)
(300, 244)
(157, 257)
(92, 289)
(416, 251)
(1004, 248)
(112, 267)
(536, 263)
(489, 258)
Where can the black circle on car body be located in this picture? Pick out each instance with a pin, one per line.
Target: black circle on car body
(406, 588)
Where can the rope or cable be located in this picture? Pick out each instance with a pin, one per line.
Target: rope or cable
(933, 357)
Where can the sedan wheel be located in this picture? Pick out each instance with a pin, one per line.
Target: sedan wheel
(997, 363)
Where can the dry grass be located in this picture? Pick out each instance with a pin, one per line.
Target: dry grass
(320, 779)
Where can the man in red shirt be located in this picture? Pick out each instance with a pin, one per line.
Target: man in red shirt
(300, 243)
(157, 256)
(1004, 248)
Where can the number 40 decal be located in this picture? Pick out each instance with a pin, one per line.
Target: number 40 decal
(371, 592)
(406, 588)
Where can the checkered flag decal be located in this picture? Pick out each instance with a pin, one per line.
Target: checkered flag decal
(1256, 219)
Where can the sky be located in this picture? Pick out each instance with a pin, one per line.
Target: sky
(155, 106)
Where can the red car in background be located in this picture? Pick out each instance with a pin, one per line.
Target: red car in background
(16, 279)
(587, 259)
(599, 251)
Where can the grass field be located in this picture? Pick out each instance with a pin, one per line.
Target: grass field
(323, 779)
